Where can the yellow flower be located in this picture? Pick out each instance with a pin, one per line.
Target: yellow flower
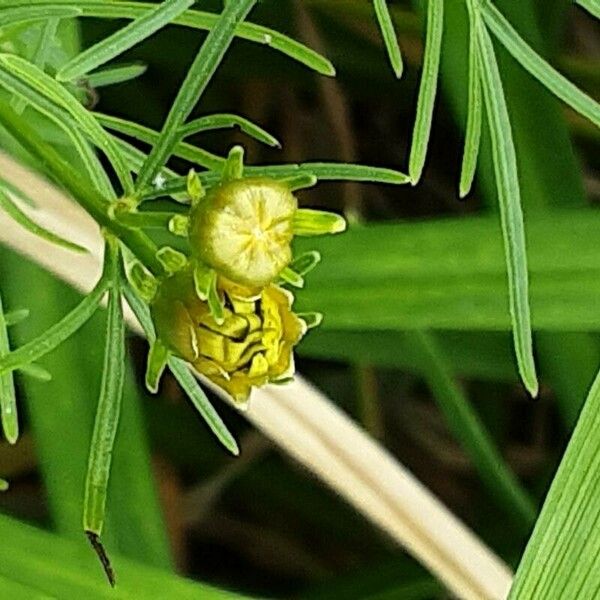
(243, 229)
(253, 346)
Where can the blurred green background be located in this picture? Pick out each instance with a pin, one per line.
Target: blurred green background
(415, 259)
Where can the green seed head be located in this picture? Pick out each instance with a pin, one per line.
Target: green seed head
(244, 228)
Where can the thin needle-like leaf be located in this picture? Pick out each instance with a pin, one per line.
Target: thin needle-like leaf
(538, 67)
(389, 35)
(15, 70)
(117, 74)
(57, 334)
(592, 6)
(222, 121)
(25, 13)
(199, 75)
(8, 400)
(561, 558)
(474, 108)
(122, 40)
(182, 373)
(511, 214)
(194, 19)
(22, 219)
(427, 89)
(107, 415)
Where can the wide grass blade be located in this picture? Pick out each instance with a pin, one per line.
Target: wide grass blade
(122, 40)
(561, 558)
(389, 36)
(509, 195)
(199, 75)
(427, 89)
(25, 13)
(538, 67)
(22, 219)
(8, 400)
(464, 422)
(63, 568)
(474, 108)
(15, 70)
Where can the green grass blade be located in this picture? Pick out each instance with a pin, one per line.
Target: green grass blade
(56, 334)
(113, 75)
(199, 75)
(474, 108)
(427, 89)
(468, 429)
(122, 40)
(8, 400)
(15, 70)
(507, 181)
(389, 36)
(538, 67)
(222, 121)
(592, 6)
(107, 414)
(22, 219)
(16, 316)
(64, 568)
(196, 20)
(561, 558)
(182, 373)
(149, 136)
(25, 13)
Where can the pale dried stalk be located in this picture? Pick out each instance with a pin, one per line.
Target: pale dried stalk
(297, 417)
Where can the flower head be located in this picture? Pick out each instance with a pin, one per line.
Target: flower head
(254, 344)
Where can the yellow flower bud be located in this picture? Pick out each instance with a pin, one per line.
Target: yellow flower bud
(244, 228)
(253, 346)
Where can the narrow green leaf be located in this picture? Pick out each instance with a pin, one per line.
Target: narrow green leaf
(197, 20)
(22, 219)
(107, 413)
(561, 558)
(427, 89)
(34, 371)
(474, 108)
(507, 181)
(14, 70)
(188, 382)
(199, 75)
(57, 334)
(223, 121)
(203, 278)
(113, 75)
(538, 67)
(503, 486)
(122, 40)
(389, 36)
(592, 6)
(300, 182)
(306, 262)
(182, 373)
(8, 400)
(215, 302)
(197, 155)
(19, 14)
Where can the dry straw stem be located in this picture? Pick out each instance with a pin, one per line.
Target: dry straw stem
(298, 418)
